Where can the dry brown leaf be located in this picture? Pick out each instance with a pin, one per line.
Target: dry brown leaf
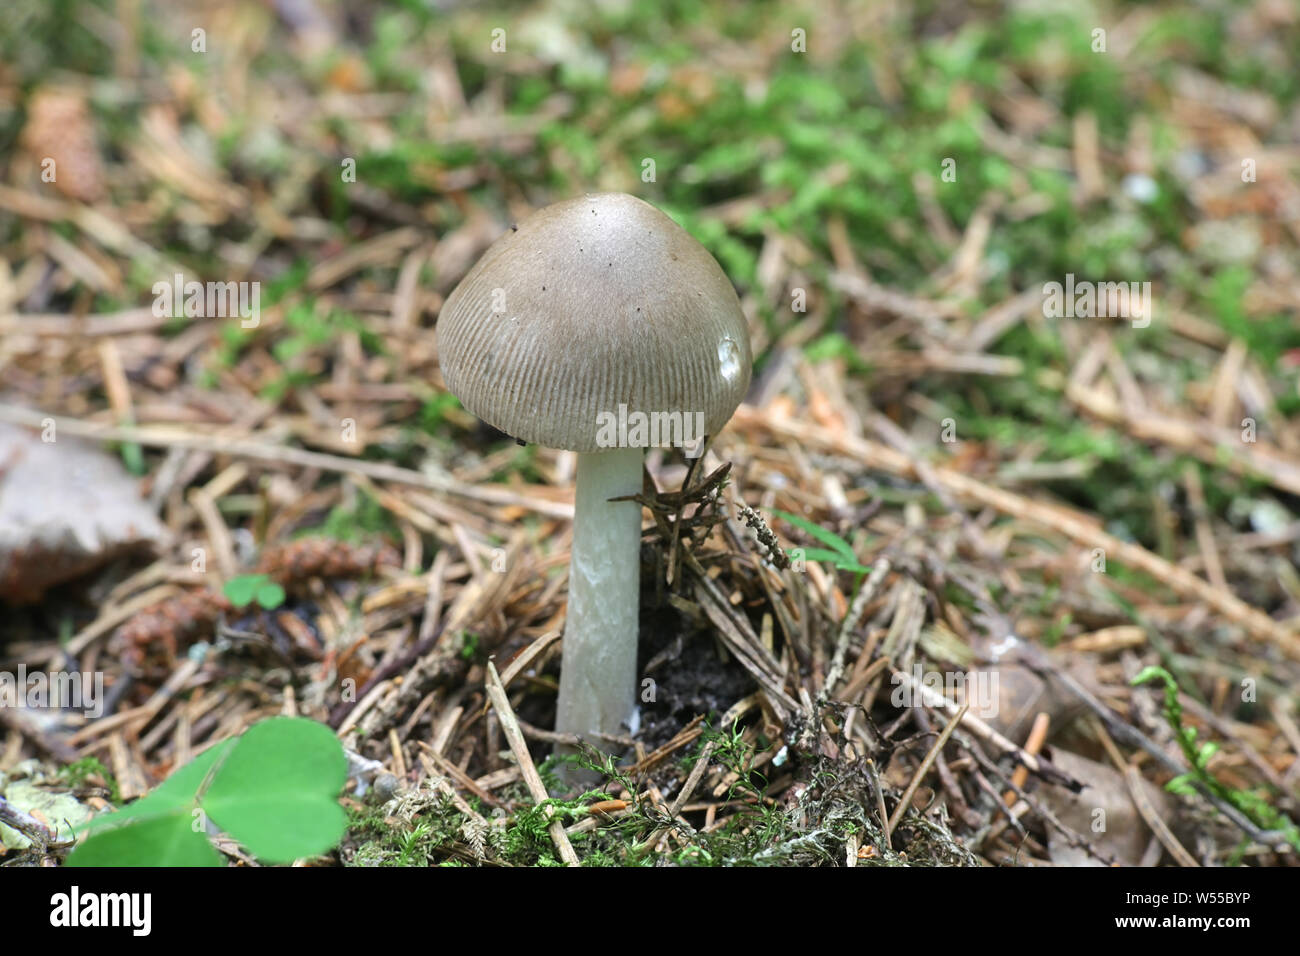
(65, 508)
(1103, 812)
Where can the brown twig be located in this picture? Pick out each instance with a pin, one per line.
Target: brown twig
(514, 736)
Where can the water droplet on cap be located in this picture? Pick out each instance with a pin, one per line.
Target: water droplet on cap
(728, 358)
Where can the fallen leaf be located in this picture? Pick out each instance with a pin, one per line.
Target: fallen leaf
(66, 508)
(1102, 812)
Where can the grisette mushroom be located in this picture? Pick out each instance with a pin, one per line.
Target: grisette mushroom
(600, 326)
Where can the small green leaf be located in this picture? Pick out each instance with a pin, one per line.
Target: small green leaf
(243, 589)
(1148, 674)
(822, 554)
(270, 595)
(828, 538)
(167, 840)
(834, 558)
(177, 792)
(277, 792)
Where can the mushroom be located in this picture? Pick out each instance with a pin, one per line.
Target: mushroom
(597, 325)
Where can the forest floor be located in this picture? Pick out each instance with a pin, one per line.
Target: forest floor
(1035, 599)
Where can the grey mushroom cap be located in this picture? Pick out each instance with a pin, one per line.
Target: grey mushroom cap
(588, 305)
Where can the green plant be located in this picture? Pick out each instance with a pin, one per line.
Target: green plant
(412, 851)
(358, 523)
(1260, 812)
(732, 751)
(274, 789)
(77, 774)
(246, 588)
(838, 552)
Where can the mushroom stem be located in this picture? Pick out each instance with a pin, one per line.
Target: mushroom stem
(598, 669)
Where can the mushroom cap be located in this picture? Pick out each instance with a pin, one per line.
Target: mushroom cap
(588, 305)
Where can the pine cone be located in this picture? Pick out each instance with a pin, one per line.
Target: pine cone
(173, 622)
(59, 128)
(300, 561)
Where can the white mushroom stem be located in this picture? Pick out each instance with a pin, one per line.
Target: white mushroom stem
(598, 669)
